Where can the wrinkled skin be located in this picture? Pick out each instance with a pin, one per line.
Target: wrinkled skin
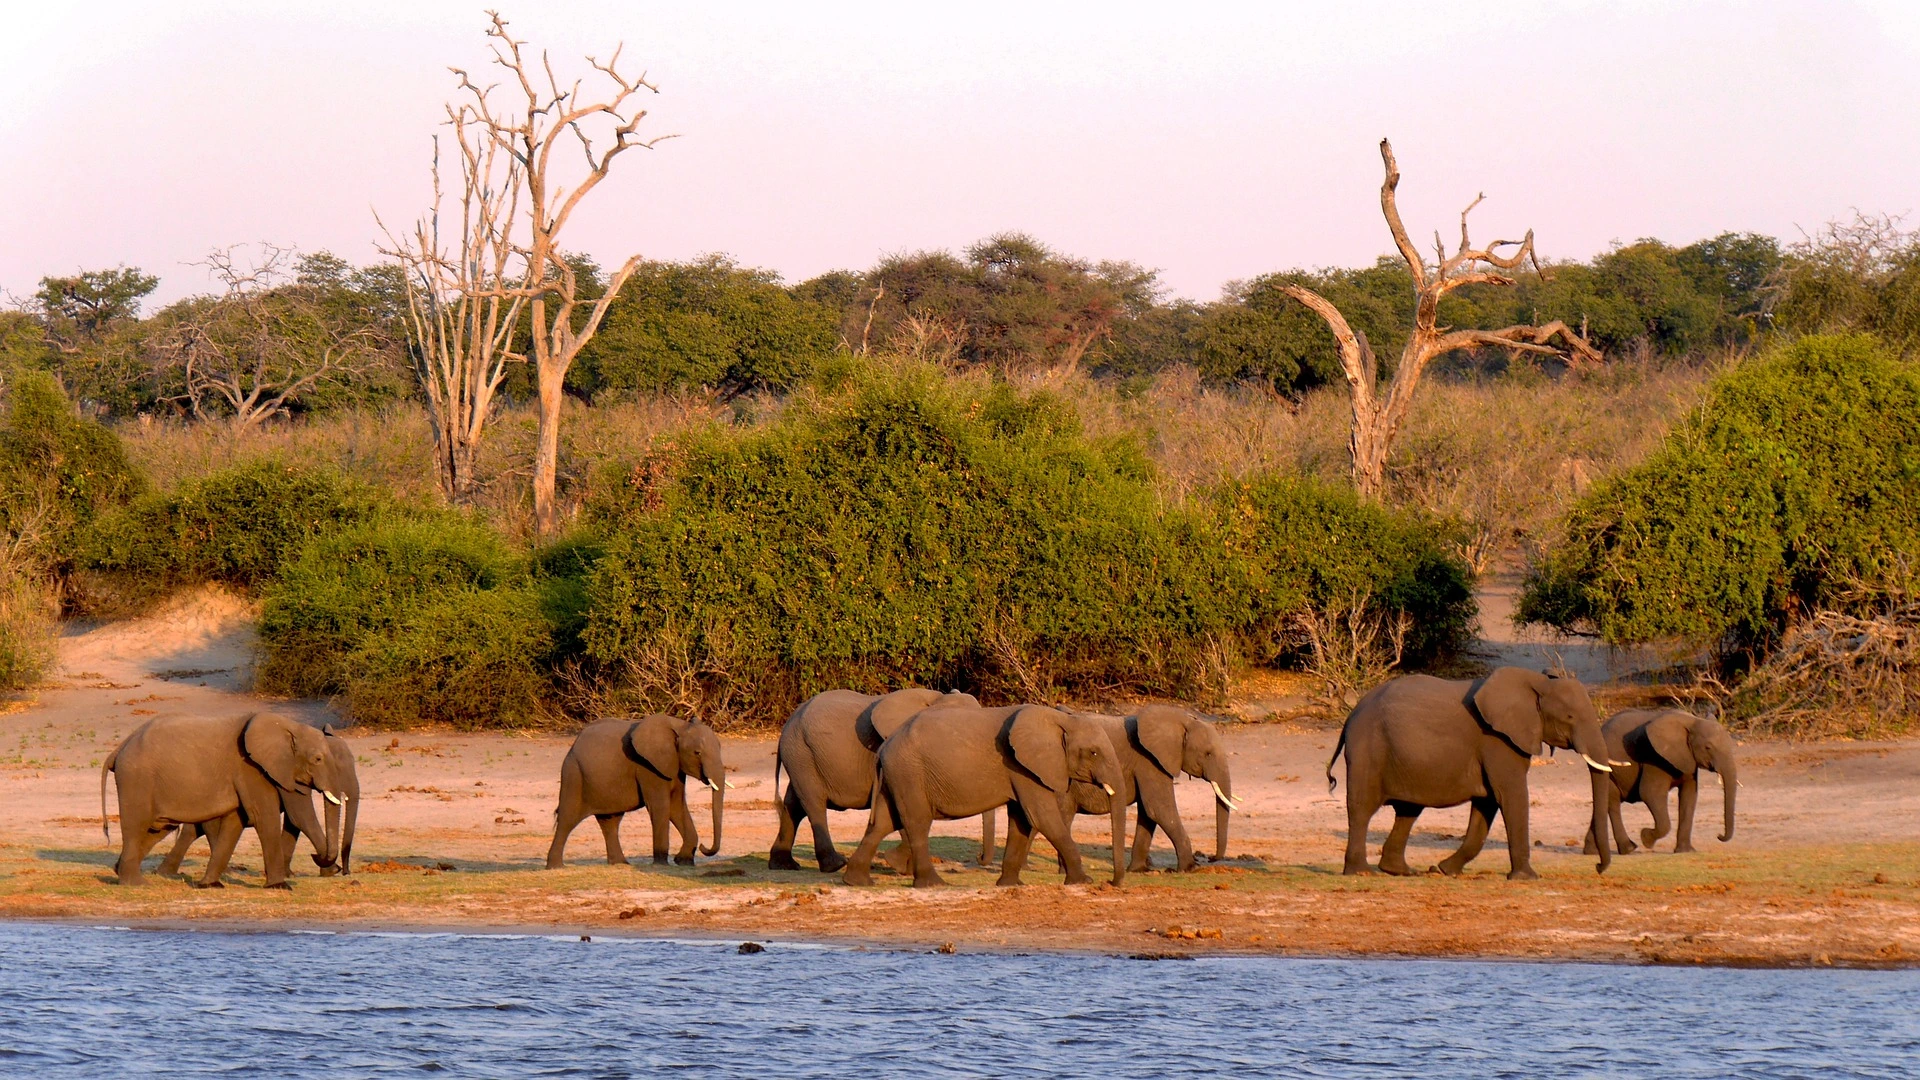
(1419, 742)
(221, 773)
(954, 763)
(1154, 746)
(1662, 748)
(827, 750)
(343, 779)
(617, 766)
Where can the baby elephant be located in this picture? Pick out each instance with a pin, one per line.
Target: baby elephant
(1665, 747)
(347, 789)
(618, 766)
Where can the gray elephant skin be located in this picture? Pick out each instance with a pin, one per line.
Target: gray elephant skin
(1154, 747)
(1659, 750)
(617, 766)
(955, 763)
(221, 773)
(346, 777)
(827, 750)
(1418, 742)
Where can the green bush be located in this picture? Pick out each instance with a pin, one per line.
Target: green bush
(346, 588)
(1795, 486)
(58, 470)
(906, 527)
(467, 657)
(236, 526)
(26, 627)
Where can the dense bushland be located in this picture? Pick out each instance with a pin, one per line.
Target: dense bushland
(909, 527)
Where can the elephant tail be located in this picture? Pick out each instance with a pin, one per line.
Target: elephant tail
(105, 768)
(1338, 748)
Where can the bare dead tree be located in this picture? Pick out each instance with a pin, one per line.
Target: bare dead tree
(254, 350)
(1377, 416)
(463, 306)
(546, 116)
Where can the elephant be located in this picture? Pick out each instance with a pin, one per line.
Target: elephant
(340, 758)
(1419, 742)
(957, 762)
(1658, 748)
(827, 748)
(1154, 746)
(617, 766)
(225, 771)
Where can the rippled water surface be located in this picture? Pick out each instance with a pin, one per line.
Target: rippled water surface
(102, 1002)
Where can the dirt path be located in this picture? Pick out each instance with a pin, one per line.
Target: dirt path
(1825, 867)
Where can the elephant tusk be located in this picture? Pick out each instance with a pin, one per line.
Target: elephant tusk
(1597, 766)
(1620, 764)
(1225, 799)
(331, 797)
(729, 785)
(1109, 789)
(713, 785)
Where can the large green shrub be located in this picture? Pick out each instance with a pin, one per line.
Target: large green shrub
(237, 526)
(466, 657)
(906, 527)
(1795, 486)
(348, 588)
(58, 470)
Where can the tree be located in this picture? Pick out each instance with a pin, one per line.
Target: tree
(80, 309)
(1376, 417)
(264, 343)
(546, 116)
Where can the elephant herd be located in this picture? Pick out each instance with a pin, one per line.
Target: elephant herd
(917, 756)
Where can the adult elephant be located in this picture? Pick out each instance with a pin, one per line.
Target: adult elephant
(956, 763)
(1659, 749)
(346, 785)
(1420, 742)
(223, 773)
(1154, 747)
(827, 749)
(618, 766)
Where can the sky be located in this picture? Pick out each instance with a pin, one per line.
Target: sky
(1209, 141)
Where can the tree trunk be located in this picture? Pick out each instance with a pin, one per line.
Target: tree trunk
(546, 458)
(1368, 448)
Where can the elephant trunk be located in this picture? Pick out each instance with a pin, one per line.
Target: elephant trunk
(1602, 789)
(325, 838)
(719, 811)
(1729, 786)
(1222, 808)
(1119, 811)
(331, 841)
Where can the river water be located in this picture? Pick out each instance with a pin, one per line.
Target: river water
(106, 1002)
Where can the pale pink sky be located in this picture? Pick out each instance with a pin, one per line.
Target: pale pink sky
(1211, 141)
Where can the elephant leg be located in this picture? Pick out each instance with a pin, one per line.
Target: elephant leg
(565, 820)
(1479, 818)
(682, 819)
(1140, 860)
(916, 826)
(610, 832)
(1620, 842)
(1689, 795)
(1161, 807)
(1393, 853)
(1057, 827)
(814, 802)
(1019, 843)
(859, 869)
(1654, 786)
(986, 838)
(1360, 811)
(658, 814)
(170, 865)
(1511, 792)
(223, 836)
(787, 812)
(292, 832)
(134, 845)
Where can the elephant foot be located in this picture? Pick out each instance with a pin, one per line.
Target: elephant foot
(857, 875)
(1522, 873)
(1447, 867)
(1648, 838)
(899, 858)
(1683, 849)
(830, 861)
(330, 871)
(206, 884)
(1007, 882)
(1355, 869)
(932, 880)
(1627, 847)
(1588, 848)
(782, 860)
(554, 864)
(1397, 868)
(683, 860)
(286, 885)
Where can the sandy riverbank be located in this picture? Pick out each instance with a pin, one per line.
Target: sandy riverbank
(1825, 867)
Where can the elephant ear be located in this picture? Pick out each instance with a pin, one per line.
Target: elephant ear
(1509, 701)
(269, 742)
(1038, 740)
(650, 741)
(1668, 735)
(1162, 734)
